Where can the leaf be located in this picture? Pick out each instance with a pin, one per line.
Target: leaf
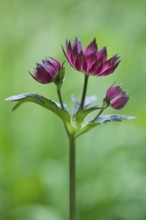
(101, 120)
(89, 100)
(76, 104)
(81, 114)
(107, 118)
(86, 128)
(40, 100)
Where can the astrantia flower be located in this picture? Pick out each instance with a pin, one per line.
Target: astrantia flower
(116, 97)
(91, 60)
(47, 71)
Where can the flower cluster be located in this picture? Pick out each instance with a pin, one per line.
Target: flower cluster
(90, 61)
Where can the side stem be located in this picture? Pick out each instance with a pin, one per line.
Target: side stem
(60, 98)
(100, 112)
(84, 91)
(72, 180)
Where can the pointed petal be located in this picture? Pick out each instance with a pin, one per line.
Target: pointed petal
(41, 75)
(77, 46)
(92, 48)
(81, 63)
(109, 66)
(102, 53)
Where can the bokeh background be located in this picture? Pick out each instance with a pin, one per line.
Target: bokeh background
(111, 159)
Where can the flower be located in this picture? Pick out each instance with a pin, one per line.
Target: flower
(90, 61)
(47, 71)
(116, 97)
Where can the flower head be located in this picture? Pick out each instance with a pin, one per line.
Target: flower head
(116, 97)
(47, 71)
(91, 60)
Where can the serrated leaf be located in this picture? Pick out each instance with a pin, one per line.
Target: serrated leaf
(40, 100)
(107, 118)
(101, 120)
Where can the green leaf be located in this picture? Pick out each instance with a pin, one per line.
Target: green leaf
(76, 104)
(88, 100)
(81, 114)
(101, 120)
(86, 128)
(40, 100)
(107, 118)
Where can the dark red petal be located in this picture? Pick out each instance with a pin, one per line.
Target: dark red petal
(102, 53)
(91, 60)
(54, 63)
(113, 91)
(92, 48)
(79, 62)
(96, 67)
(41, 75)
(109, 66)
(77, 46)
(68, 48)
(108, 71)
(120, 103)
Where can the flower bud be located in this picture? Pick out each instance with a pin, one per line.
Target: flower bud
(47, 71)
(116, 97)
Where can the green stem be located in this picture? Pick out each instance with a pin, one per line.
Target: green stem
(100, 112)
(84, 91)
(72, 179)
(60, 98)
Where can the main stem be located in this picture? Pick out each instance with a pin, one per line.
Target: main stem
(72, 168)
(84, 91)
(72, 179)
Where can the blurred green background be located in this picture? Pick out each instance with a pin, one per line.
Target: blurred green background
(111, 159)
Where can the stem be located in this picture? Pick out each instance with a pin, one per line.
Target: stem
(72, 169)
(98, 114)
(84, 91)
(60, 98)
(72, 177)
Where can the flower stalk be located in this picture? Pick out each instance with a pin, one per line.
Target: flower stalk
(60, 97)
(100, 112)
(86, 77)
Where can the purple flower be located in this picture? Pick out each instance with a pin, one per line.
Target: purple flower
(47, 71)
(90, 61)
(117, 97)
